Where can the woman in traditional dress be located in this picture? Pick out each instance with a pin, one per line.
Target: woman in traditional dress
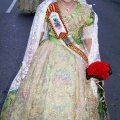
(51, 83)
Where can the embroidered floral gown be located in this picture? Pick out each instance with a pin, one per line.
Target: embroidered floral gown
(55, 87)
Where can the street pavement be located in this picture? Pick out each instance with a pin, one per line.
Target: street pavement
(14, 33)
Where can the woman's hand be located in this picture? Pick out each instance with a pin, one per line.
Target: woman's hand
(97, 81)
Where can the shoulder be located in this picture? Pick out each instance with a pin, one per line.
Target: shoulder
(44, 5)
(52, 5)
(84, 5)
(86, 8)
(88, 14)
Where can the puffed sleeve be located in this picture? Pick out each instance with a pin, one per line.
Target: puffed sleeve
(88, 26)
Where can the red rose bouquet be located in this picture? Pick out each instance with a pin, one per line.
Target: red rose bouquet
(99, 70)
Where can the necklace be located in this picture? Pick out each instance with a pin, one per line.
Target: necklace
(67, 8)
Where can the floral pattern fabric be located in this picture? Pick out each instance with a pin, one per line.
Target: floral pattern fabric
(55, 88)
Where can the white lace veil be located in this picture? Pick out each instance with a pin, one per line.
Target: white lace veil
(34, 40)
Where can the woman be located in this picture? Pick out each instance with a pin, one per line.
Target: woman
(51, 83)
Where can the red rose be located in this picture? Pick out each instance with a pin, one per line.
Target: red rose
(99, 70)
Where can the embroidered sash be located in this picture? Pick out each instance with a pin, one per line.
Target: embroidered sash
(61, 32)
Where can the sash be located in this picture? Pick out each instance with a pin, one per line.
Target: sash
(61, 32)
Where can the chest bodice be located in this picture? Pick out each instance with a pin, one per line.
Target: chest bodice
(75, 22)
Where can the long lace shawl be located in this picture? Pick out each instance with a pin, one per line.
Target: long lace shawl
(34, 40)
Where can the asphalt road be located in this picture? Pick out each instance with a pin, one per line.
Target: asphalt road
(14, 33)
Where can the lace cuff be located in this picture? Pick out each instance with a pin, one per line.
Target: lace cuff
(88, 32)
